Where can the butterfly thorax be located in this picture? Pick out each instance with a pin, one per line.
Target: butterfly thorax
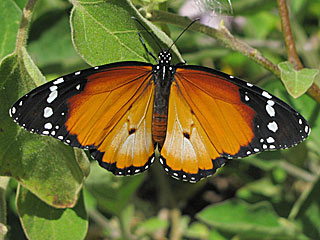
(162, 77)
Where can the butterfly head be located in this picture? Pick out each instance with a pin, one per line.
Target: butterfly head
(164, 57)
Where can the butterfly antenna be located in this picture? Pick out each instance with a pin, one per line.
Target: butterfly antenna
(197, 19)
(152, 36)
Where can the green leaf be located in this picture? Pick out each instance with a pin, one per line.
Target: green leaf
(3, 206)
(112, 193)
(215, 235)
(197, 230)
(103, 32)
(263, 187)
(252, 221)
(296, 82)
(306, 210)
(151, 226)
(45, 166)
(51, 46)
(10, 15)
(41, 221)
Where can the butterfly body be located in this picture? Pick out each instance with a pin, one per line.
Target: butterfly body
(163, 76)
(197, 117)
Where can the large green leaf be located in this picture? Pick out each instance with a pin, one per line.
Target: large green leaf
(10, 15)
(44, 165)
(103, 32)
(41, 221)
(296, 82)
(306, 211)
(258, 221)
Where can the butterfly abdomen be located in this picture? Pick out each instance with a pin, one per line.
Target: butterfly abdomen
(159, 128)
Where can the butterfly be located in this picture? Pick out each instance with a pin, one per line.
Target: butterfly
(196, 117)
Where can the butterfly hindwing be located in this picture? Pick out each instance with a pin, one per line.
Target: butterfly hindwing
(106, 109)
(215, 116)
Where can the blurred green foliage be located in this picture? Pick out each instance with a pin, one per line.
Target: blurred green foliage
(273, 195)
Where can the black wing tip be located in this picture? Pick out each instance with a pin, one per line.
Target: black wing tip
(112, 167)
(193, 178)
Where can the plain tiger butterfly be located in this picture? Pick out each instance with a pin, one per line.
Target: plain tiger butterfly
(196, 117)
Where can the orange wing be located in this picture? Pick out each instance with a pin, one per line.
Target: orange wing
(187, 152)
(113, 115)
(106, 109)
(213, 116)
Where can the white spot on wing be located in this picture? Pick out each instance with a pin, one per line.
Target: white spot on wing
(270, 140)
(306, 129)
(266, 95)
(48, 125)
(270, 102)
(78, 87)
(246, 98)
(52, 96)
(249, 84)
(77, 73)
(58, 81)
(13, 111)
(47, 112)
(270, 110)
(53, 88)
(273, 126)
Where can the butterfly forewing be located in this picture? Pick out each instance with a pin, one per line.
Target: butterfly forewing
(106, 109)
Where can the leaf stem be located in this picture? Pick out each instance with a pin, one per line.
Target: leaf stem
(288, 38)
(24, 25)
